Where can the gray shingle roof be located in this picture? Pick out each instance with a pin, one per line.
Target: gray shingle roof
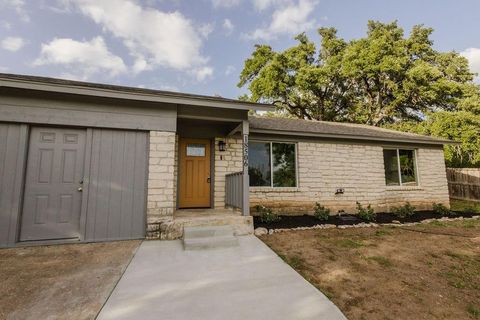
(342, 130)
(7, 79)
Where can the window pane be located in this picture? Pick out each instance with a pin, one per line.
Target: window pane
(283, 165)
(259, 163)
(407, 167)
(391, 167)
(195, 150)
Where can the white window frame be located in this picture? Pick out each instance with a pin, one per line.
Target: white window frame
(271, 142)
(398, 167)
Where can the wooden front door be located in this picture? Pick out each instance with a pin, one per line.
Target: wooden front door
(53, 184)
(194, 187)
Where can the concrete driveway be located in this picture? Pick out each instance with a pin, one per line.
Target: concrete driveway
(246, 282)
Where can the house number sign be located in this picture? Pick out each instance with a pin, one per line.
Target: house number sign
(245, 150)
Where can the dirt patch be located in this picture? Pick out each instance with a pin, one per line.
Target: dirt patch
(429, 271)
(61, 281)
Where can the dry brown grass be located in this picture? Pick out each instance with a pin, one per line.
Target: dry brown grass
(432, 272)
(61, 281)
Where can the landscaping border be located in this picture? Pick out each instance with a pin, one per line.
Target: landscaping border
(261, 230)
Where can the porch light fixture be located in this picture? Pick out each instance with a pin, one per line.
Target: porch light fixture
(222, 146)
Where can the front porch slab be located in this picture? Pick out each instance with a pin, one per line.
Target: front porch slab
(173, 228)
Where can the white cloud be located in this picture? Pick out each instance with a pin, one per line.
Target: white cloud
(12, 44)
(264, 4)
(229, 70)
(6, 25)
(166, 87)
(205, 30)
(228, 26)
(473, 56)
(81, 59)
(154, 38)
(203, 73)
(18, 6)
(289, 19)
(225, 3)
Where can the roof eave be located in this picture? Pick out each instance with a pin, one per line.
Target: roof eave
(138, 96)
(352, 137)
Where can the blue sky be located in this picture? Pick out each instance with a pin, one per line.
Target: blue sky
(199, 46)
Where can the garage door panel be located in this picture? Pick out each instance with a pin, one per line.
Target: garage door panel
(116, 196)
(13, 142)
(140, 183)
(127, 203)
(119, 183)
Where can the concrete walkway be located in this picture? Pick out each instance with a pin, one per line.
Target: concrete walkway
(246, 282)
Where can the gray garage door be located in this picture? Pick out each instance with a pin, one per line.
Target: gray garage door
(117, 185)
(88, 184)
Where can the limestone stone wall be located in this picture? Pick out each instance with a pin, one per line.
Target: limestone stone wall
(228, 161)
(359, 169)
(161, 201)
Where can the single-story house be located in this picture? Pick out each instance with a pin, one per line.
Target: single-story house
(94, 162)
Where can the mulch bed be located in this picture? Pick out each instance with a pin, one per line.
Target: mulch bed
(288, 222)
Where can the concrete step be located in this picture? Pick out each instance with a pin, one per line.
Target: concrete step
(207, 231)
(208, 237)
(205, 243)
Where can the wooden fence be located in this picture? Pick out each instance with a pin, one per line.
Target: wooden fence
(464, 183)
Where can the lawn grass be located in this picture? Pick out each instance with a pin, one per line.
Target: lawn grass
(464, 205)
(474, 311)
(383, 261)
(430, 271)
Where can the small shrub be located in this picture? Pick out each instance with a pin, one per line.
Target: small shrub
(367, 213)
(404, 211)
(321, 213)
(267, 215)
(442, 210)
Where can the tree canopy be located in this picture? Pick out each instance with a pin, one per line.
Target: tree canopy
(461, 126)
(384, 79)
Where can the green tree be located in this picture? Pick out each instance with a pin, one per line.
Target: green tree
(380, 79)
(300, 82)
(460, 126)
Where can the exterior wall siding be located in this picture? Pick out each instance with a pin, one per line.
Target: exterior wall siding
(359, 169)
(13, 141)
(161, 202)
(87, 112)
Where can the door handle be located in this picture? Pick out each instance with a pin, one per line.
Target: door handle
(80, 189)
(208, 180)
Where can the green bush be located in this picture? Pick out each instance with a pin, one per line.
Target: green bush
(442, 210)
(266, 214)
(404, 211)
(321, 213)
(367, 213)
